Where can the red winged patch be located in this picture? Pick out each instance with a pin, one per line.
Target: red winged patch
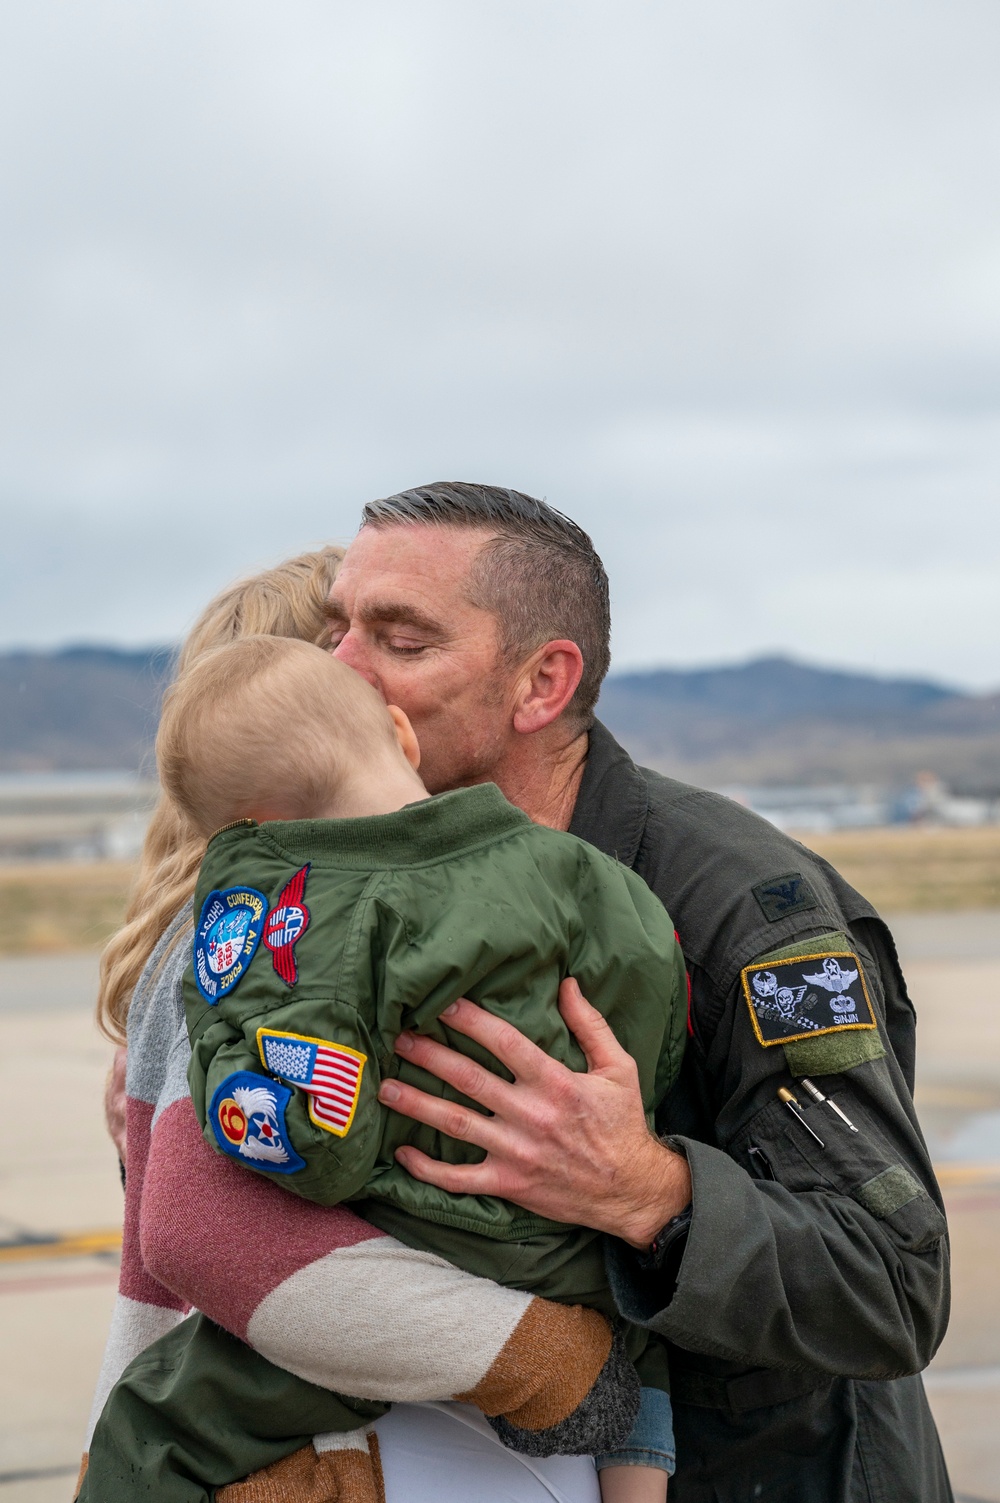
(285, 925)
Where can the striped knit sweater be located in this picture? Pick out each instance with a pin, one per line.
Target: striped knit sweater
(325, 1295)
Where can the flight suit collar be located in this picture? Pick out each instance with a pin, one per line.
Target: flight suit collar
(613, 802)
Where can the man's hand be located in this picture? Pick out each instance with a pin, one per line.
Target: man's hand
(571, 1147)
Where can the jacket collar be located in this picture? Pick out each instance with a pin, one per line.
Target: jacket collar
(613, 802)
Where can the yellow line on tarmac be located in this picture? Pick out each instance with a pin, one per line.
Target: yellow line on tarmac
(968, 1174)
(73, 1245)
(87, 1244)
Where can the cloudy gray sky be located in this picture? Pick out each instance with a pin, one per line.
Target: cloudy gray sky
(721, 280)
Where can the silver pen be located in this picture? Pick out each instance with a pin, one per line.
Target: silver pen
(817, 1096)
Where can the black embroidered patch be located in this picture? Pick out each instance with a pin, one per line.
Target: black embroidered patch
(784, 895)
(806, 996)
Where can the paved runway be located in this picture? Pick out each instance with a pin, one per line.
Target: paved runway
(60, 1176)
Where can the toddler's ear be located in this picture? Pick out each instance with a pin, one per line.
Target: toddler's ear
(406, 736)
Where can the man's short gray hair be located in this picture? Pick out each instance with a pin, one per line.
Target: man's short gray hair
(538, 572)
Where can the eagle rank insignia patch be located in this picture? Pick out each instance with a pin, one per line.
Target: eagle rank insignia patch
(226, 939)
(285, 925)
(806, 996)
(329, 1073)
(248, 1118)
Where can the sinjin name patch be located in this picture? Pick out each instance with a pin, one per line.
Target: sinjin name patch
(806, 996)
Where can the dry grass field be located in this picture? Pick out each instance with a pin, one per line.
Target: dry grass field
(45, 909)
(48, 908)
(912, 868)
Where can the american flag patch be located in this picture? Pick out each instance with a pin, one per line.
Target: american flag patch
(330, 1074)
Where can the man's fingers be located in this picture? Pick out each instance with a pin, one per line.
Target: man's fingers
(590, 1029)
(524, 1060)
(449, 1117)
(460, 1179)
(458, 1070)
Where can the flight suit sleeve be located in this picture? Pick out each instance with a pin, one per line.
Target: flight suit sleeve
(821, 1249)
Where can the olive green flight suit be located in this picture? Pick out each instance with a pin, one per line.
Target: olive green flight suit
(812, 1283)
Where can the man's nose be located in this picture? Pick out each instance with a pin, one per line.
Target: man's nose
(352, 653)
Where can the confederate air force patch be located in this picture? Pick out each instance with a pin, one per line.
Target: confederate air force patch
(805, 996)
(226, 938)
(248, 1118)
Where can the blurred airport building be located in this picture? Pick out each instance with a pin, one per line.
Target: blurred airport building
(102, 816)
(73, 816)
(926, 800)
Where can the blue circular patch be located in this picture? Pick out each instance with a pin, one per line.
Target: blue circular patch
(226, 939)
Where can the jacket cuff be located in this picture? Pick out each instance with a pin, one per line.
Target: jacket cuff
(671, 1299)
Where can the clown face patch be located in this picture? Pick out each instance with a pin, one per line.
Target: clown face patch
(285, 925)
(226, 938)
(806, 996)
(248, 1118)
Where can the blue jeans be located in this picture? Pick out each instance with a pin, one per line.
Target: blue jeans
(651, 1442)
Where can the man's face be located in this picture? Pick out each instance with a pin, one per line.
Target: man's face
(400, 616)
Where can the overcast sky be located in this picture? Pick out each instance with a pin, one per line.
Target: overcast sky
(719, 279)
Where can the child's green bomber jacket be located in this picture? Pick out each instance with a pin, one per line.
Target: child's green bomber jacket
(317, 941)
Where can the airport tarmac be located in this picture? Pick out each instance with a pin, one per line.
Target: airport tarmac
(60, 1201)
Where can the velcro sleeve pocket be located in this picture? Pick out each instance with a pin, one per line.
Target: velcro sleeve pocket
(863, 1166)
(897, 1198)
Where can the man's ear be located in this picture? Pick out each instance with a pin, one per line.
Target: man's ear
(406, 736)
(546, 685)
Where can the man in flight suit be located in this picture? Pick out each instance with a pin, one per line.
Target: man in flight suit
(792, 1248)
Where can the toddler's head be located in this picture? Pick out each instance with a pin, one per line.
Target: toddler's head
(274, 728)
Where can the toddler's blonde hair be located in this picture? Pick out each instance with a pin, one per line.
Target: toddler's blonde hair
(286, 601)
(267, 727)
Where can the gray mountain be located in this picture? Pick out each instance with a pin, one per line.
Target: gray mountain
(776, 721)
(770, 721)
(80, 708)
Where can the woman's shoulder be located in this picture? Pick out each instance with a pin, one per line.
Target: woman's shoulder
(156, 1013)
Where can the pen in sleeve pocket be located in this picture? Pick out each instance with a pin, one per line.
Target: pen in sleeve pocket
(793, 1106)
(817, 1095)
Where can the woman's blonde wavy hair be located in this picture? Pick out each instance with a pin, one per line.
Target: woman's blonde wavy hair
(287, 601)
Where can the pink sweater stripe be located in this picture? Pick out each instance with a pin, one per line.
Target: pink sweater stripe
(222, 1237)
(136, 1282)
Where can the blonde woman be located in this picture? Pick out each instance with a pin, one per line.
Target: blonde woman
(197, 1235)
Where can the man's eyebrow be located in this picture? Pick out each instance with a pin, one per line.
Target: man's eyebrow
(388, 612)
